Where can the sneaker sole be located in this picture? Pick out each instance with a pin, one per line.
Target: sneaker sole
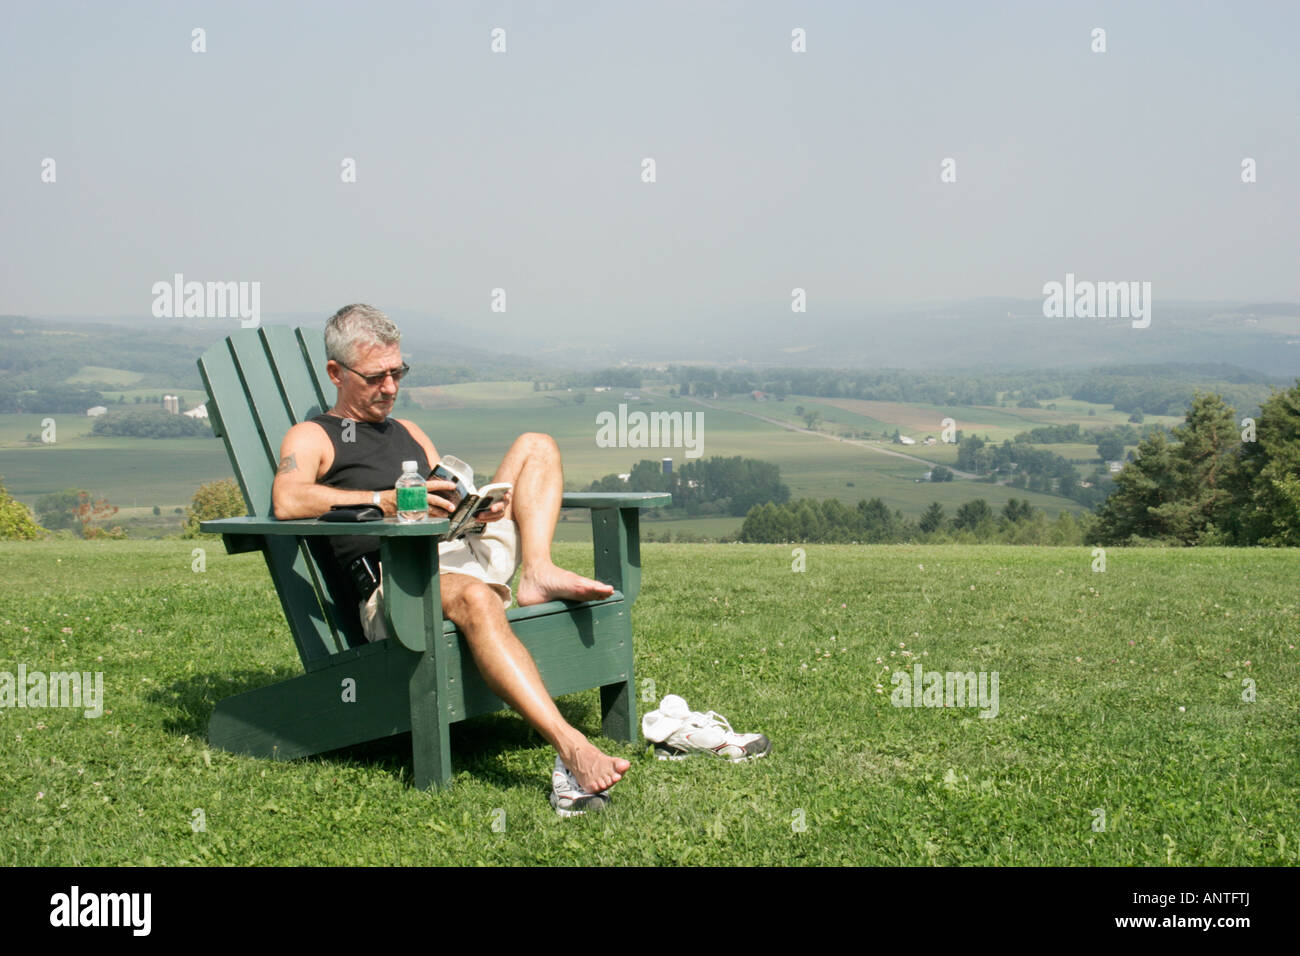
(593, 806)
(669, 753)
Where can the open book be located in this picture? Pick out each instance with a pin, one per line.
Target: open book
(472, 501)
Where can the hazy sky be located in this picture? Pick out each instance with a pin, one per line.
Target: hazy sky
(522, 170)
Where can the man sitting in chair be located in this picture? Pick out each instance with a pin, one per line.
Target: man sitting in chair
(319, 468)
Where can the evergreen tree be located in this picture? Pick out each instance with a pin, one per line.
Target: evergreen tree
(933, 518)
(972, 514)
(840, 526)
(1016, 510)
(1206, 461)
(762, 525)
(1110, 447)
(1182, 493)
(1032, 528)
(1140, 488)
(876, 521)
(808, 523)
(1267, 485)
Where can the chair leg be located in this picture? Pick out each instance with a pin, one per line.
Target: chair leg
(430, 728)
(413, 607)
(618, 710)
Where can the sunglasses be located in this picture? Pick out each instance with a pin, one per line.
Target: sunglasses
(378, 378)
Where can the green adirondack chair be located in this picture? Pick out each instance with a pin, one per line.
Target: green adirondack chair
(261, 381)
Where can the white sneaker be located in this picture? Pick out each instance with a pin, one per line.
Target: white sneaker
(567, 796)
(677, 732)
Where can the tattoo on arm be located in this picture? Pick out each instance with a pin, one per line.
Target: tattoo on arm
(287, 464)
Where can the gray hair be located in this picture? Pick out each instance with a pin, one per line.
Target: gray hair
(356, 325)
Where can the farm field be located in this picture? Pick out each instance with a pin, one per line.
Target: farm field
(476, 421)
(917, 420)
(1161, 697)
(99, 375)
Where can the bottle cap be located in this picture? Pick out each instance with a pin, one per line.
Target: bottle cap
(408, 466)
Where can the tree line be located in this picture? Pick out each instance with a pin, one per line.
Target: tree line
(871, 522)
(709, 486)
(1223, 480)
(1164, 389)
(150, 424)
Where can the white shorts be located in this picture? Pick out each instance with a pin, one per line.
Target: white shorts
(492, 556)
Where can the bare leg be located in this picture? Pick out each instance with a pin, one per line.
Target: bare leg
(532, 465)
(510, 673)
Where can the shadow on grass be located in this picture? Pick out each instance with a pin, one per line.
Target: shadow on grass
(483, 745)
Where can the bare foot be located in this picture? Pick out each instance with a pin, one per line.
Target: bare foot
(594, 770)
(549, 583)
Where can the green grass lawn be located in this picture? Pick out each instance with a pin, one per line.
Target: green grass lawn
(1120, 692)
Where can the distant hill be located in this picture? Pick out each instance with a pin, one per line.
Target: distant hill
(996, 332)
(1004, 333)
(39, 353)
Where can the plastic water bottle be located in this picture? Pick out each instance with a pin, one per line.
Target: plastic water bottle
(412, 498)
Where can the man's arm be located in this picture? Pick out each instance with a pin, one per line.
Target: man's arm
(421, 439)
(295, 492)
(440, 503)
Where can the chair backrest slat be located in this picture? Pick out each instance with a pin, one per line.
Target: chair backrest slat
(265, 397)
(294, 376)
(313, 346)
(247, 452)
(260, 382)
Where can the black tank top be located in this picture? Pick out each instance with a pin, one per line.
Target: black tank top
(372, 461)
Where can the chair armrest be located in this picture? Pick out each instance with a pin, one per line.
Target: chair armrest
(245, 534)
(386, 527)
(616, 533)
(616, 499)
